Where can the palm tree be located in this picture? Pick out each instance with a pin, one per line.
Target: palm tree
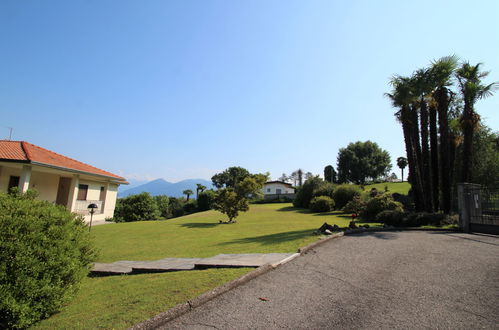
(422, 88)
(472, 89)
(402, 97)
(441, 73)
(402, 163)
(187, 192)
(199, 188)
(435, 178)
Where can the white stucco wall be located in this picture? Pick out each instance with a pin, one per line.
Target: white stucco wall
(46, 184)
(5, 173)
(271, 189)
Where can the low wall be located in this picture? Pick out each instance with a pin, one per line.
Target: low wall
(276, 196)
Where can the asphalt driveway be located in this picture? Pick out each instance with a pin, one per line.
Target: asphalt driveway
(372, 280)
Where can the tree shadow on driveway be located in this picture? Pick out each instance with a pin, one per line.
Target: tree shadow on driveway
(475, 237)
(378, 234)
(272, 238)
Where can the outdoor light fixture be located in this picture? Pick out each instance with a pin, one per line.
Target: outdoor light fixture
(91, 208)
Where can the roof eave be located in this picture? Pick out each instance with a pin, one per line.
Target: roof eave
(115, 179)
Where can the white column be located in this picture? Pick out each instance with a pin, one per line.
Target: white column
(106, 189)
(73, 192)
(24, 179)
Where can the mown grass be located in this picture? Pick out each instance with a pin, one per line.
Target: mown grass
(393, 187)
(121, 301)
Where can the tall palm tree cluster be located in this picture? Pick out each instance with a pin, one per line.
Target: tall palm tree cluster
(438, 122)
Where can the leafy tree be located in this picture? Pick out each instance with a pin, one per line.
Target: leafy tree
(228, 202)
(163, 204)
(402, 163)
(284, 178)
(136, 208)
(360, 161)
(330, 174)
(230, 177)
(45, 252)
(199, 188)
(232, 200)
(176, 207)
(205, 200)
(472, 89)
(187, 192)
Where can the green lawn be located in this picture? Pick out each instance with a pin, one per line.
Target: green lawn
(393, 187)
(121, 301)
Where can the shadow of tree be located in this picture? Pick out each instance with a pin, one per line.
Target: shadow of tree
(272, 238)
(199, 224)
(293, 209)
(475, 237)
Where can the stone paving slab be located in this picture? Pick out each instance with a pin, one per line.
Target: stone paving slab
(114, 268)
(167, 264)
(178, 264)
(243, 260)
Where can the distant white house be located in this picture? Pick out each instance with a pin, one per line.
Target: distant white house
(275, 189)
(58, 179)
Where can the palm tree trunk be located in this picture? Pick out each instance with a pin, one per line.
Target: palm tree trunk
(434, 157)
(443, 100)
(425, 157)
(467, 125)
(412, 160)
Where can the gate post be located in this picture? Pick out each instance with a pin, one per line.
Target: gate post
(463, 207)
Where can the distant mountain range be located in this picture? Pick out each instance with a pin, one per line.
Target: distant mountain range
(163, 187)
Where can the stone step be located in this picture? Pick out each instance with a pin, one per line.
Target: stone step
(178, 264)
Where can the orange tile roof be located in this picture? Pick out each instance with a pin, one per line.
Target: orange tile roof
(29, 153)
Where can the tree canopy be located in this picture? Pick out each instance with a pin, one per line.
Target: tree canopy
(361, 161)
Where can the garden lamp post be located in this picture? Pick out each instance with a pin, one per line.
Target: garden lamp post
(91, 208)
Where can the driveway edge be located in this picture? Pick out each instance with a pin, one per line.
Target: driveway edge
(185, 307)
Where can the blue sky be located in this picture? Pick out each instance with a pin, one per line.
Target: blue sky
(185, 89)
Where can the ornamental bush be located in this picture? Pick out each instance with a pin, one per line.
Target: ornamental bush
(321, 204)
(45, 251)
(305, 193)
(378, 204)
(344, 194)
(205, 200)
(136, 208)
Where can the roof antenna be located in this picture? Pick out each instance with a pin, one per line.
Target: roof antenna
(10, 134)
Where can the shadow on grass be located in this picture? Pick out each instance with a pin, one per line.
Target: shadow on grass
(293, 209)
(272, 238)
(199, 224)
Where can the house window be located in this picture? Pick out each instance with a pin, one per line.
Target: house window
(268, 189)
(278, 191)
(13, 182)
(82, 192)
(102, 195)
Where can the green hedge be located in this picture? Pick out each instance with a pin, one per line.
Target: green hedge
(45, 251)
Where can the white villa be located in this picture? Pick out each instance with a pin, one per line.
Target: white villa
(276, 189)
(58, 179)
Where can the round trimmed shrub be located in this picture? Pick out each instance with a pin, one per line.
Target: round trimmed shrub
(45, 251)
(391, 218)
(321, 204)
(137, 208)
(305, 193)
(378, 204)
(356, 205)
(344, 194)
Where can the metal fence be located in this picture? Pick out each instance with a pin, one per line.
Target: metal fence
(478, 208)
